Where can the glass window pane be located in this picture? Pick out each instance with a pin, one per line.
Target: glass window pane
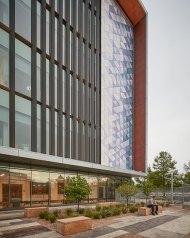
(47, 130)
(38, 128)
(22, 123)
(56, 82)
(64, 135)
(56, 26)
(64, 45)
(4, 11)
(4, 58)
(64, 91)
(4, 118)
(47, 31)
(56, 131)
(40, 188)
(57, 181)
(22, 68)
(47, 82)
(20, 179)
(38, 25)
(38, 77)
(4, 184)
(23, 18)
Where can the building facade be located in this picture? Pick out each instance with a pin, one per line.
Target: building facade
(72, 97)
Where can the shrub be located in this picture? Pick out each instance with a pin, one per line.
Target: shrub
(142, 204)
(88, 212)
(116, 211)
(52, 218)
(96, 215)
(124, 209)
(56, 212)
(69, 211)
(107, 212)
(98, 208)
(133, 209)
(81, 210)
(43, 215)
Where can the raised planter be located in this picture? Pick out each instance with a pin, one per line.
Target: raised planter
(34, 211)
(73, 225)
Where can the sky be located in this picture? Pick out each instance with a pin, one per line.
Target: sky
(168, 79)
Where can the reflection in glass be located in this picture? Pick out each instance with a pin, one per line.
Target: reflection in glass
(22, 123)
(4, 15)
(64, 135)
(4, 184)
(38, 128)
(38, 76)
(40, 188)
(38, 25)
(23, 18)
(64, 91)
(20, 179)
(4, 58)
(22, 68)
(57, 181)
(4, 118)
(64, 45)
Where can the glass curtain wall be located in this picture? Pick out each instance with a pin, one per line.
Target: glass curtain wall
(4, 118)
(22, 186)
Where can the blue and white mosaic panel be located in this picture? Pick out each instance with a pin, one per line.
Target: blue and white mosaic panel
(116, 87)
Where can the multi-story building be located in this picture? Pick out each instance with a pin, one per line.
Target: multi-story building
(72, 97)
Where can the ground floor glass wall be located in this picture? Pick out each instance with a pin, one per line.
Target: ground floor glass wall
(22, 186)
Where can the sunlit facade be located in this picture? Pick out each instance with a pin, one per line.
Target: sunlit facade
(72, 98)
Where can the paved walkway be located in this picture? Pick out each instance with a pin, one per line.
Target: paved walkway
(169, 224)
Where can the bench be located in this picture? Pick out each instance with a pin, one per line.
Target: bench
(69, 226)
(34, 211)
(145, 211)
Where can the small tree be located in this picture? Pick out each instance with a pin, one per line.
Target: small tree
(147, 187)
(127, 189)
(77, 188)
(187, 173)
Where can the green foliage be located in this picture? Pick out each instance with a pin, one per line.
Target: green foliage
(133, 209)
(81, 211)
(127, 189)
(43, 215)
(77, 188)
(146, 187)
(187, 173)
(56, 212)
(163, 165)
(88, 212)
(52, 218)
(69, 211)
(96, 215)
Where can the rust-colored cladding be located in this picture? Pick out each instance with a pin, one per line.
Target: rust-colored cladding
(137, 16)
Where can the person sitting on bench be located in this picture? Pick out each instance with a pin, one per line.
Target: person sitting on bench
(153, 205)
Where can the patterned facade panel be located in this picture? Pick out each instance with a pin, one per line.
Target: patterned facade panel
(116, 87)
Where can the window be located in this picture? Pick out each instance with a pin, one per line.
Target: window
(38, 25)
(22, 68)
(47, 130)
(4, 15)
(56, 82)
(64, 45)
(38, 77)
(56, 131)
(38, 128)
(47, 31)
(4, 58)
(56, 36)
(47, 81)
(23, 18)
(4, 118)
(22, 123)
(64, 91)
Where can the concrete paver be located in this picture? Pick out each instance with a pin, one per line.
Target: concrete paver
(169, 224)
